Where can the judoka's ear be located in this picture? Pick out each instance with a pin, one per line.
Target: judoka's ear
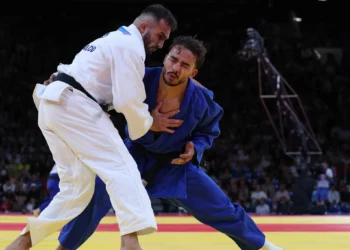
(144, 26)
(194, 73)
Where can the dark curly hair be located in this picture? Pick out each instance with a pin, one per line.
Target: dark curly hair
(192, 44)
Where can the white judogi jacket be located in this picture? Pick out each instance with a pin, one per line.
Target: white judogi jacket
(111, 69)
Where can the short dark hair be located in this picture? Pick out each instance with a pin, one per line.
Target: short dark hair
(192, 44)
(159, 12)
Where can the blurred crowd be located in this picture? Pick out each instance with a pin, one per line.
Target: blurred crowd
(246, 160)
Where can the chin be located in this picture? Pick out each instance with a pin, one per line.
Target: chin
(151, 50)
(172, 84)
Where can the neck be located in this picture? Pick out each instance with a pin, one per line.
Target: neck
(167, 91)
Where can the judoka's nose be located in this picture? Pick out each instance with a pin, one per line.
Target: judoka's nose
(176, 68)
(160, 44)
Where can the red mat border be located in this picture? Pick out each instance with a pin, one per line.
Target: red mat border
(205, 228)
(190, 216)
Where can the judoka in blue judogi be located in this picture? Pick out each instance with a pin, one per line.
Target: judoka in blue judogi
(52, 186)
(182, 184)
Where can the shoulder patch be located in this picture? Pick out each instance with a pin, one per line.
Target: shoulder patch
(124, 31)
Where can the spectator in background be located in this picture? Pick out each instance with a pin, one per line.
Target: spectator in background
(10, 185)
(3, 171)
(333, 200)
(333, 196)
(323, 184)
(34, 193)
(262, 208)
(328, 172)
(282, 200)
(5, 205)
(257, 195)
(268, 187)
(31, 205)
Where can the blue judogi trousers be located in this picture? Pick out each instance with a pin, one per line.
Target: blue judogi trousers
(52, 186)
(205, 201)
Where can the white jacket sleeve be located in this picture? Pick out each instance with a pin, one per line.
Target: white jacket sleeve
(128, 69)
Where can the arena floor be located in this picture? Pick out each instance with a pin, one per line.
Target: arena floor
(185, 233)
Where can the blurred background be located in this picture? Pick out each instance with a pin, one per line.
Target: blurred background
(308, 43)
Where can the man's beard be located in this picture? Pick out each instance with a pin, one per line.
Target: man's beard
(170, 83)
(146, 42)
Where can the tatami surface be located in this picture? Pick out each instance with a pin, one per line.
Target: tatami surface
(184, 232)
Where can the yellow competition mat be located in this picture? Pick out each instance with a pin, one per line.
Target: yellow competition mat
(185, 232)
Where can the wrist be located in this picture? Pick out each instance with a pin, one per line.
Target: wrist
(153, 127)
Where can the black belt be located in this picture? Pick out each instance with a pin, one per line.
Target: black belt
(162, 160)
(72, 82)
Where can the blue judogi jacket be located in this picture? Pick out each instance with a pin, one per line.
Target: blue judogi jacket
(201, 116)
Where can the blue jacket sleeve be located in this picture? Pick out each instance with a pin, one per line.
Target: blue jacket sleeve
(207, 130)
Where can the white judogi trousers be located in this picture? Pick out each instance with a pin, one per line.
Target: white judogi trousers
(84, 143)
